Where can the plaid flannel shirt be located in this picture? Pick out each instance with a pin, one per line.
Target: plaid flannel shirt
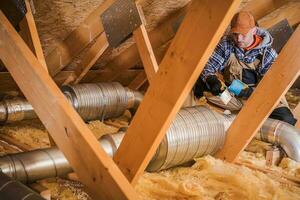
(226, 46)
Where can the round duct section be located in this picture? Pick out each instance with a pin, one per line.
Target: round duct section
(102, 100)
(11, 189)
(17, 109)
(91, 101)
(196, 131)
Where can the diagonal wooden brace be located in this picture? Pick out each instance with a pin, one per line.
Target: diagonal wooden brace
(194, 42)
(95, 169)
(264, 99)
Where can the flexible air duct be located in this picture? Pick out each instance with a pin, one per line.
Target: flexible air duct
(14, 190)
(91, 101)
(283, 134)
(195, 132)
(12, 110)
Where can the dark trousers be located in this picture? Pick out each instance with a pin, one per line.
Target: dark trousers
(283, 114)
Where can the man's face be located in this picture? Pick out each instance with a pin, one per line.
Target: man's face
(244, 40)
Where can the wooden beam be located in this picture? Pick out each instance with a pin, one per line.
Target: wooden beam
(144, 47)
(146, 52)
(77, 40)
(138, 81)
(93, 166)
(289, 11)
(30, 35)
(264, 99)
(8, 84)
(158, 37)
(89, 59)
(184, 61)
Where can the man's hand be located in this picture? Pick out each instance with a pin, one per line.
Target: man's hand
(245, 93)
(214, 84)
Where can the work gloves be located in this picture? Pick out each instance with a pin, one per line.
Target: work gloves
(240, 89)
(214, 84)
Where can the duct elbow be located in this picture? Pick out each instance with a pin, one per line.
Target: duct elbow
(283, 134)
(289, 140)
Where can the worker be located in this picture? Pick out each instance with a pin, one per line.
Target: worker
(242, 57)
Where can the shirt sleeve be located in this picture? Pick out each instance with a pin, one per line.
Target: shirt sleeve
(269, 57)
(217, 60)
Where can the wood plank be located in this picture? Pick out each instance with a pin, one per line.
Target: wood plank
(144, 47)
(289, 11)
(146, 52)
(13, 141)
(77, 40)
(138, 81)
(264, 99)
(90, 58)
(93, 166)
(30, 35)
(158, 37)
(8, 84)
(184, 61)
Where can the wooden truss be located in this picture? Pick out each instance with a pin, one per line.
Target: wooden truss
(170, 83)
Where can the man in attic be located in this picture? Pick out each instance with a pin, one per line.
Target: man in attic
(239, 61)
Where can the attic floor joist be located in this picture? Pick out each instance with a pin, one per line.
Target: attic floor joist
(93, 166)
(264, 99)
(176, 76)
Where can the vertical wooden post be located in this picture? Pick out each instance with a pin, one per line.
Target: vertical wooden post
(194, 42)
(264, 99)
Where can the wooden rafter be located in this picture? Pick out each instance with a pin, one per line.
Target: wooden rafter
(89, 59)
(30, 35)
(8, 84)
(264, 99)
(183, 62)
(145, 49)
(93, 166)
(138, 81)
(146, 52)
(158, 37)
(77, 40)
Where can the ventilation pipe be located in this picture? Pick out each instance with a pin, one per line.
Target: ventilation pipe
(11, 189)
(91, 101)
(195, 132)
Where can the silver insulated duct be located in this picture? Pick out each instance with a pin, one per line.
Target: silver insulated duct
(283, 134)
(195, 132)
(17, 109)
(91, 101)
(14, 190)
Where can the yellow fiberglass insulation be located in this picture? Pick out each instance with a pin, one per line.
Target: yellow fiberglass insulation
(212, 179)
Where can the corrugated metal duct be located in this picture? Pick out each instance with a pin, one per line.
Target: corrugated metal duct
(195, 132)
(91, 101)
